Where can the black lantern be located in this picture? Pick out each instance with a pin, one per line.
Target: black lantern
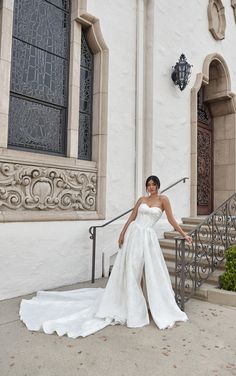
(181, 72)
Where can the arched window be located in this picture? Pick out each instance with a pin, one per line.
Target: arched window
(56, 105)
(39, 76)
(86, 100)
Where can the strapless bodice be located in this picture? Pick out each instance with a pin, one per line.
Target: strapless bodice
(148, 216)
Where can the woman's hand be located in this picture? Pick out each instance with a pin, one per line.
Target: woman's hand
(188, 239)
(121, 240)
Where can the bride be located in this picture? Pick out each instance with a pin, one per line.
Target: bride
(85, 311)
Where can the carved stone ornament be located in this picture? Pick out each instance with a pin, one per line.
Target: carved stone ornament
(233, 4)
(216, 19)
(24, 187)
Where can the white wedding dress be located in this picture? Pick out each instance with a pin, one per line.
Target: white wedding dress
(85, 311)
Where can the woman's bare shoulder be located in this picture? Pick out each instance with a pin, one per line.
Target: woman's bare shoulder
(163, 198)
(141, 200)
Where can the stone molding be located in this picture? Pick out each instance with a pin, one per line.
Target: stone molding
(222, 103)
(216, 19)
(28, 187)
(233, 4)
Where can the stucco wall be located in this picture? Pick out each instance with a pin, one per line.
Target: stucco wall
(44, 255)
(118, 25)
(182, 27)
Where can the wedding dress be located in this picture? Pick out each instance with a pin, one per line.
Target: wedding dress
(85, 311)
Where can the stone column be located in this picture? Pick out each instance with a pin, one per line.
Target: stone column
(139, 115)
(6, 20)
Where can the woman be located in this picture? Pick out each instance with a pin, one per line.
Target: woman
(85, 311)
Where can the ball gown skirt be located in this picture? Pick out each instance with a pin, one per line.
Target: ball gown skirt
(85, 311)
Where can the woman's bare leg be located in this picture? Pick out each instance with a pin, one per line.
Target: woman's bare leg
(142, 283)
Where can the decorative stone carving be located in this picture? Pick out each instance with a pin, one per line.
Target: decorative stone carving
(25, 187)
(216, 19)
(233, 4)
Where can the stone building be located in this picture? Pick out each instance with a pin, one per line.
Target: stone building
(88, 110)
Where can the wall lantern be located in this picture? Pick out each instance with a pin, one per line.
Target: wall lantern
(181, 72)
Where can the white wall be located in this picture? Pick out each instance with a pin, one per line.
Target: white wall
(182, 27)
(43, 255)
(37, 256)
(118, 25)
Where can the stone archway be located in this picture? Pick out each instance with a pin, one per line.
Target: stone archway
(215, 82)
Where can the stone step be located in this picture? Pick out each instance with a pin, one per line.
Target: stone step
(193, 220)
(167, 243)
(169, 255)
(212, 279)
(201, 293)
(212, 294)
(170, 244)
(174, 234)
(187, 227)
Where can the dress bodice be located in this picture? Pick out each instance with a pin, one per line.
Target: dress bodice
(148, 216)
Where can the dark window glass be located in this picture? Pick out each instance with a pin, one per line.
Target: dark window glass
(44, 135)
(86, 100)
(39, 75)
(63, 4)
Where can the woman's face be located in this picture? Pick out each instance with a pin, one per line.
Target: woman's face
(151, 187)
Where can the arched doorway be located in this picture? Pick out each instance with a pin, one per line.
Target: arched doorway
(213, 133)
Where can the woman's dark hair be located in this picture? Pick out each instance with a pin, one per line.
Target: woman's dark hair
(155, 179)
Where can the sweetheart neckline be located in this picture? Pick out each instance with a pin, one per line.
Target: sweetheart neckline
(151, 207)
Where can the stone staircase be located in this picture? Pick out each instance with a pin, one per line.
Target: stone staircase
(208, 291)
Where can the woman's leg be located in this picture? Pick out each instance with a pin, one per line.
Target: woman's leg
(142, 283)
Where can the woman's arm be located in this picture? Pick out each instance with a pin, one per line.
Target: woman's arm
(172, 221)
(131, 218)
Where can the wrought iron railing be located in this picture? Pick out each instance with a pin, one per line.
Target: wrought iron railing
(196, 262)
(93, 229)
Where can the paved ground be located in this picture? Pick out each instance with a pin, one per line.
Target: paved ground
(206, 345)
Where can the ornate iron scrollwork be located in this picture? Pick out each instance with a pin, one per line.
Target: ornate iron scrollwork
(204, 156)
(204, 167)
(196, 262)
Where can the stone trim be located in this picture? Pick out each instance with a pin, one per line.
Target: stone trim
(25, 187)
(15, 159)
(222, 103)
(100, 98)
(225, 70)
(233, 4)
(6, 22)
(216, 19)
